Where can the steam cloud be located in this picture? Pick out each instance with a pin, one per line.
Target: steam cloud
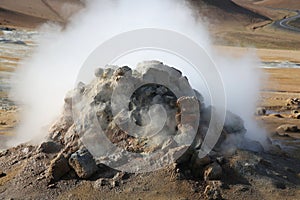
(42, 82)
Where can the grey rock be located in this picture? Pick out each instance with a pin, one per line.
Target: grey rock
(234, 123)
(83, 163)
(251, 145)
(138, 92)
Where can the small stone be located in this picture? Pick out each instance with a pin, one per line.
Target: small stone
(297, 116)
(260, 111)
(283, 134)
(287, 128)
(83, 163)
(100, 183)
(294, 112)
(51, 186)
(213, 190)
(213, 172)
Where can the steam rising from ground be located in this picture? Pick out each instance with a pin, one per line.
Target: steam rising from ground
(44, 79)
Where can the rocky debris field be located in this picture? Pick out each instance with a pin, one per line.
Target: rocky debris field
(76, 162)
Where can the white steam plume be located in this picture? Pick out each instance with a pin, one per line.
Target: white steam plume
(44, 79)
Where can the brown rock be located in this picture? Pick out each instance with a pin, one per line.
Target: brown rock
(50, 147)
(287, 128)
(58, 168)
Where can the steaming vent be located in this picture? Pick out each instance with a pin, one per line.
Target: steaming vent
(137, 120)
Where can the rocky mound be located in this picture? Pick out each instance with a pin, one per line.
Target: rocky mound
(135, 121)
(146, 121)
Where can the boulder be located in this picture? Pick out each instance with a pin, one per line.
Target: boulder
(50, 147)
(83, 163)
(234, 124)
(58, 168)
(252, 145)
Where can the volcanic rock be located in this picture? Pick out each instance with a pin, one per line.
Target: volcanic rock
(83, 163)
(49, 147)
(58, 168)
(124, 114)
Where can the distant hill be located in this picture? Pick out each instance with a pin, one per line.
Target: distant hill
(217, 11)
(30, 13)
(230, 22)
